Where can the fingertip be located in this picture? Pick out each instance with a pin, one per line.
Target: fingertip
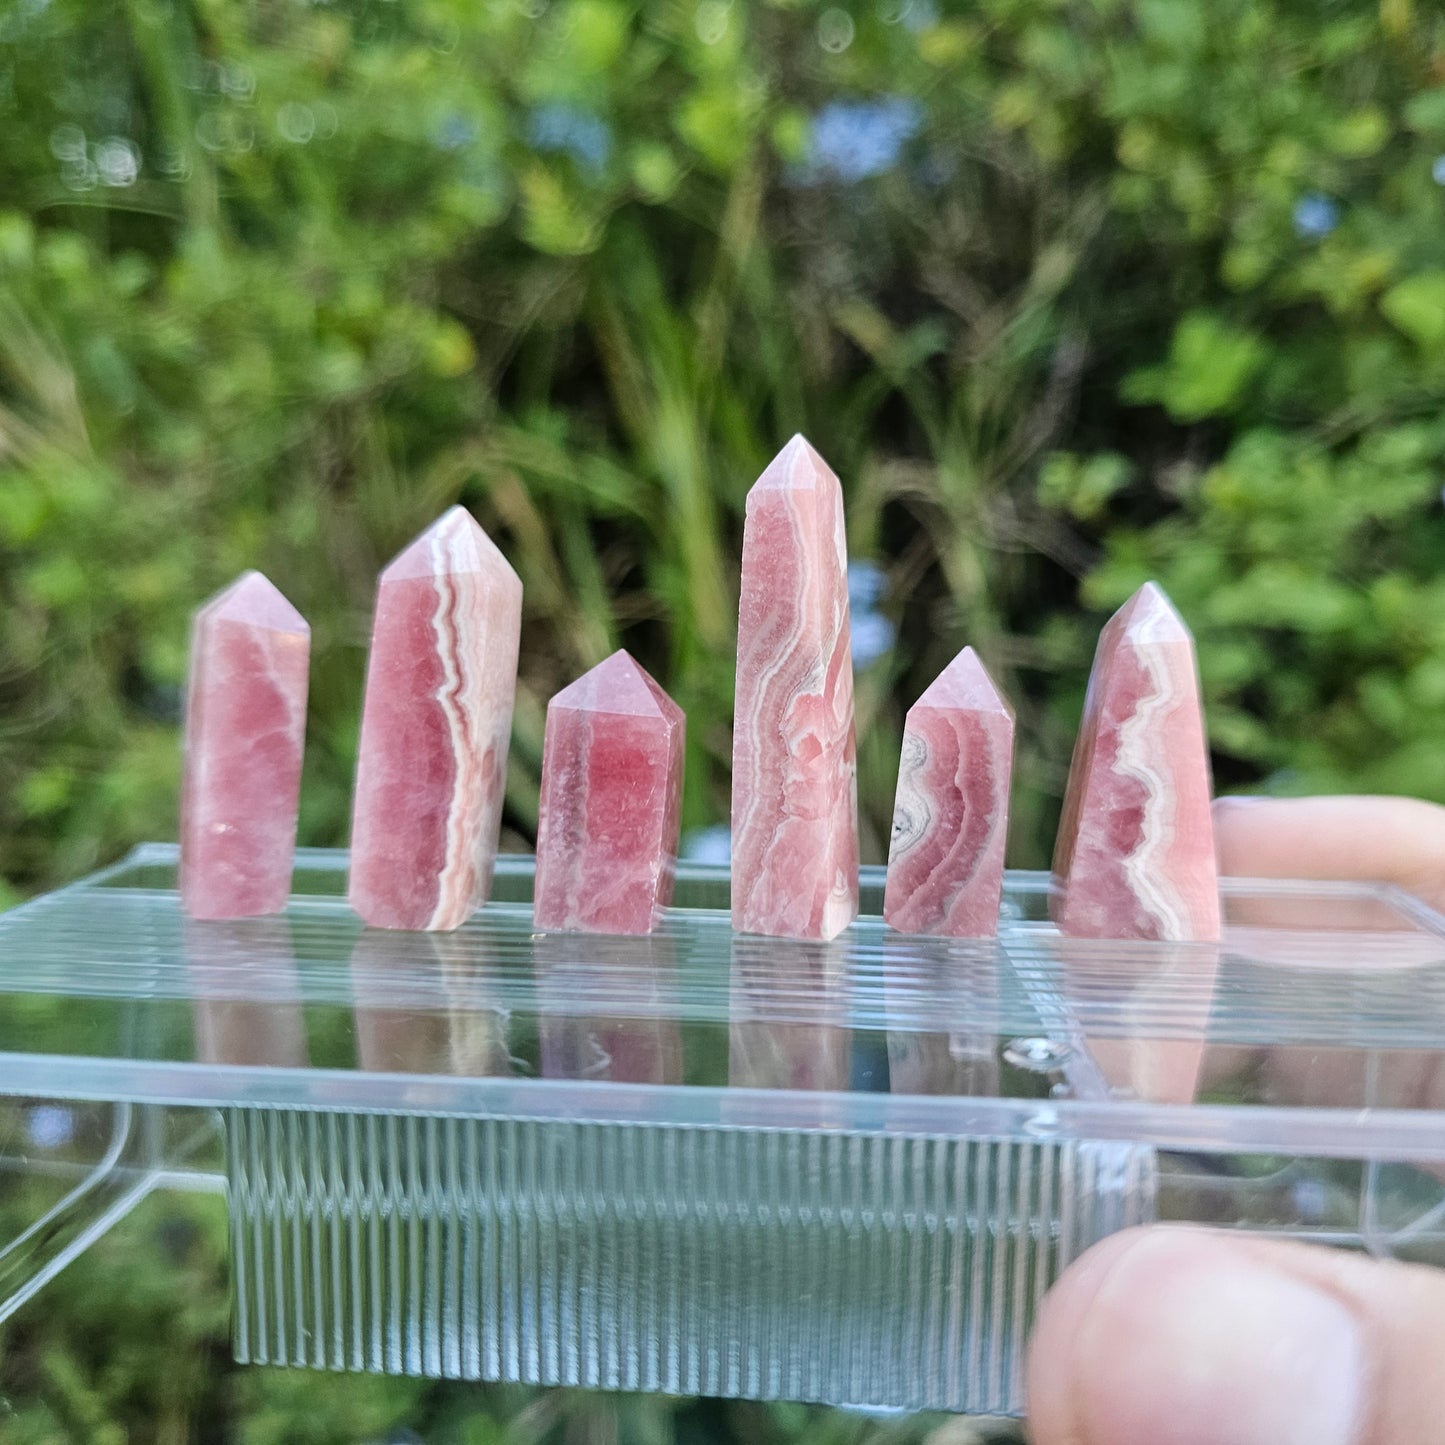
(1052, 1387)
(1183, 1335)
(1350, 836)
(1273, 837)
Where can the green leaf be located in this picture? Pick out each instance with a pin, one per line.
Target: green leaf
(1426, 111)
(1209, 367)
(1417, 306)
(1083, 486)
(1360, 133)
(655, 171)
(1175, 27)
(597, 34)
(555, 221)
(716, 120)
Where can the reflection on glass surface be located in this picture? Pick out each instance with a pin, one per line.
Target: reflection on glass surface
(788, 1023)
(463, 1030)
(1144, 1017)
(1331, 996)
(640, 1043)
(959, 982)
(1285, 921)
(1360, 954)
(246, 993)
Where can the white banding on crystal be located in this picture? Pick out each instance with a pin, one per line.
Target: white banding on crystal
(1146, 868)
(447, 627)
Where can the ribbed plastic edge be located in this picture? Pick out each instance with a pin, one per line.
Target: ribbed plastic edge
(863, 1269)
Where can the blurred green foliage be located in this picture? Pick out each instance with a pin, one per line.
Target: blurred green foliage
(1071, 293)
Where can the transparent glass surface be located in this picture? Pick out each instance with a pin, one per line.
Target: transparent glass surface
(707, 1163)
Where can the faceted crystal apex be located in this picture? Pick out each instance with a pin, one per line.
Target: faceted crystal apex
(964, 686)
(618, 685)
(253, 599)
(1149, 617)
(798, 467)
(454, 543)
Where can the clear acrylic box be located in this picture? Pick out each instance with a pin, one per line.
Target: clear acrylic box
(699, 1162)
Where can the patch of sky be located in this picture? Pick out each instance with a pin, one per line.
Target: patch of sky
(867, 582)
(456, 132)
(853, 140)
(873, 634)
(50, 1126)
(1315, 216)
(571, 130)
(709, 845)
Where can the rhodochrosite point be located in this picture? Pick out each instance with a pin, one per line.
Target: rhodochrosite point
(795, 802)
(245, 732)
(1135, 855)
(611, 802)
(432, 761)
(950, 820)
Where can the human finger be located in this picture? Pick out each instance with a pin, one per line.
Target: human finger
(1354, 837)
(1206, 1338)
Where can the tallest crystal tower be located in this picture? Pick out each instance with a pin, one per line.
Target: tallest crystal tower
(795, 787)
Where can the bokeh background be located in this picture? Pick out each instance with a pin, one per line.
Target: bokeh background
(1071, 293)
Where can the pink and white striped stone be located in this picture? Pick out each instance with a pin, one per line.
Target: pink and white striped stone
(795, 791)
(950, 817)
(245, 732)
(432, 762)
(611, 803)
(1135, 854)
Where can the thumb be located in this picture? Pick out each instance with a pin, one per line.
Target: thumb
(1202, 1338)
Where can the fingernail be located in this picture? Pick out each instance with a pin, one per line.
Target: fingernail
(1193, 1341)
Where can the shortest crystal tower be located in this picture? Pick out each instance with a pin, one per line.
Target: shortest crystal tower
(950, 818)
(611, 803)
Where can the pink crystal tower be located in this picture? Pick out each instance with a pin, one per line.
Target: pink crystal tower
(1135, 853)
(432, 761)
(245, 731)
(950, 818)
(795, 803)
(611, 803)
